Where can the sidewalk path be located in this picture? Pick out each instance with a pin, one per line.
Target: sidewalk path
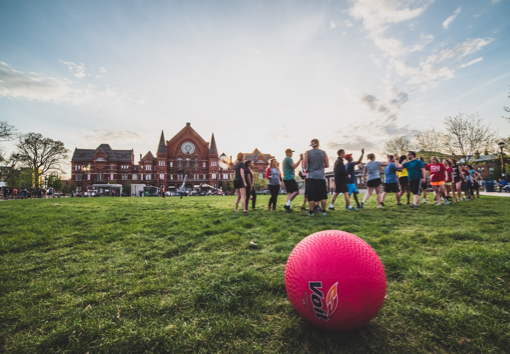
(495, 194)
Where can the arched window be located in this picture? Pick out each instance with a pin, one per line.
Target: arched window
(196, 164)
(179, 163)
(100, 159)
(100, 175)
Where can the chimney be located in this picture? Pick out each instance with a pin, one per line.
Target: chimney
(140, 157)
(188, 124)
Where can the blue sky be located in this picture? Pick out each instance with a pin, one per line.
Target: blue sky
(265, 74)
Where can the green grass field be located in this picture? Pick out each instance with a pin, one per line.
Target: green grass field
(146, 275)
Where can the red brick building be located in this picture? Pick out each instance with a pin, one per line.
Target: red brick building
(186, 154)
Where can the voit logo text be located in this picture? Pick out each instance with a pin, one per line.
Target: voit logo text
(324, 307)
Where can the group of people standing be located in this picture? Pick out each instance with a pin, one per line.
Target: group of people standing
(27, 193)
(403, 175)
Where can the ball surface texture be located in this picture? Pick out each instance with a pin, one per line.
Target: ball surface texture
(335, 281)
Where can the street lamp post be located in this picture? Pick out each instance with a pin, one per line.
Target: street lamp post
(501, 146)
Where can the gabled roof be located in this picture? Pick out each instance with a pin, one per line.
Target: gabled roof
(257, 155)
(213, 149)
(149, 154)
(111, 155)
(162, 146)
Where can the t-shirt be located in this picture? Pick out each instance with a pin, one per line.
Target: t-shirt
(504, 183)
(456, 173)
(437, 172)
(372, 168)
(274, 180)
(414, 169)
(248, 172)
(349, 168)
(288, 170)
(390, 173)
(237, 168)
(340, 172)
(450, 173)
(402, 173)
(472, 173)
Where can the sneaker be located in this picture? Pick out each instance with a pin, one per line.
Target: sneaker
(358, 206)
(303, 208)
(351, 208)
(324, 212)
(382, 204)
(287, 207)
(415, 206)
(399, 203)
(379, 206)
(424, 201)
(310, 214)
(362, 205)
(446, 202)
(438, 203)
(317, 209)
(331, 208)
(408, 203)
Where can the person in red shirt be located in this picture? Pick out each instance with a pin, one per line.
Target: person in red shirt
(449, 182)
(437, 178)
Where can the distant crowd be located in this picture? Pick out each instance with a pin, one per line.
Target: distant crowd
(26, 193)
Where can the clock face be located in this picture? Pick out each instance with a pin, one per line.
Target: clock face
(188, 148)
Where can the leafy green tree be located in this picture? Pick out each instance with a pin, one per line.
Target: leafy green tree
(126, 188)
(21, 179)
(399, 145)
(55, 182)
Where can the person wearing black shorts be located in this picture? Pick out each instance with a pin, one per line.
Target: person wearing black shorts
(289, 177)
(373, 177)
(240, 182)
(315, 161)
(391, 180)
(416, 174)
(341, 179)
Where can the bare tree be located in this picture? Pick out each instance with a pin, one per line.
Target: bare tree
(467, 134)
(398, 145)
(507, 109)
(430, 140)
(41, 154)
(7, 131)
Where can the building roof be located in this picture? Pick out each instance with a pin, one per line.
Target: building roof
(149, 154)
(112, 155)
(256, 155)
(162, 146)
(213, 149)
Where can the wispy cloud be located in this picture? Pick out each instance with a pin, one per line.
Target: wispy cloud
(105, 135)
(377, 15)
(32, 86)
(474, 61)
(78, 70)
(449, 20)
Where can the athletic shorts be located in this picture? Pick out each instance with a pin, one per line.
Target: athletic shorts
(415, 186)
(341, 188)
(290, 186)
(238, 184)
(374, 183)
(352, 188)
(424, 186)
(391, 187)
(464, 187)
(317, 189)
(448, 184)
(476, 186)
(404, 182)
(457, 179)
(440, 183)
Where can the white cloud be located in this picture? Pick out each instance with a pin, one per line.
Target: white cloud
(348, 23)
(429, 72)
(449, 20)
(77, 69)
(33, 86)
(102, 69)
(332, 25)
(474, 61)
(39, 87)
(378, 14)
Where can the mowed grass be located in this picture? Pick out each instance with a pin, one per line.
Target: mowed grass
(147, 275)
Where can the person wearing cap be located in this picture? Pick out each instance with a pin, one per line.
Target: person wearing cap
(341, 182)
(352, 180)
(315, 161)
(289, 177)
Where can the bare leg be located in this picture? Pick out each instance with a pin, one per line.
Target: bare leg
(416, 199)
(334, 198)
(238, 197)
(347, 200)
(383, 196)
(436, 192)
(323, 202)
(369, 193)
(311, 205)
(242, 192)
(291, 197)
(378, 193)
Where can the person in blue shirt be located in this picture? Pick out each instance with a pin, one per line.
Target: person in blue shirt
(390, 179)
(416, 174)
(503, 185)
